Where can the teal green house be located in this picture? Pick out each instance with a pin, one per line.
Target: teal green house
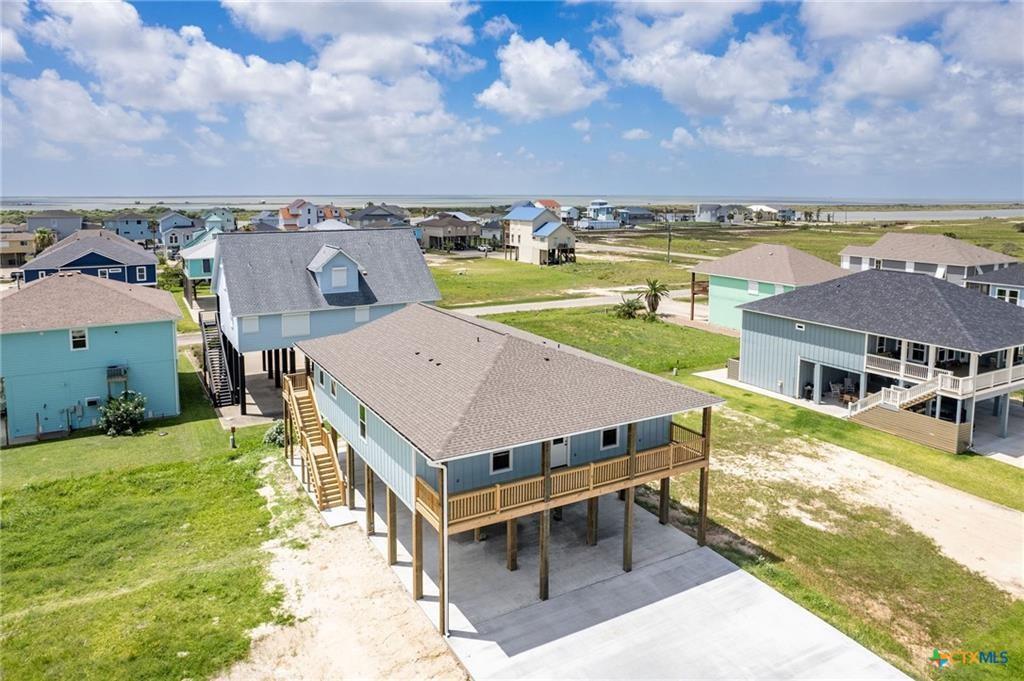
(70, 342)
(758, 272)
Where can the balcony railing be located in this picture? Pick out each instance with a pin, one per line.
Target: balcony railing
(686, 447)
(968, 385)
(891, 365)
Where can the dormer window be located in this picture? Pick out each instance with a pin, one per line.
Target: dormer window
(339, 277)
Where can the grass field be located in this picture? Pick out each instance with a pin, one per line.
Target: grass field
(825, 242)
(485, 281)
(134, 557)
(857, 567)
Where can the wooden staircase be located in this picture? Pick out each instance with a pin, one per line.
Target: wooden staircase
(218, 380)
(321, 471)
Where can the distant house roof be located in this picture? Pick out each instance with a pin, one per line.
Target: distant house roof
(524, 213)
(329, 224)
(761, 208)
(774, 264)
(128, 216)
(83, 242)
(448, 221)
(637, 210)
(550, 204)
(266, 273)
(202, 250)
(1008, 276)
(903, 305)
(53, 214)
(260, 226)
(379, 211)
(547, 229)
(930, 248)
(454, 385)
(95, 302)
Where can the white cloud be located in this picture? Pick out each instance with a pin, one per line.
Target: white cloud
(634, 134)
(62, 111)
(51, 152)
(764, 67)
(12, 22)
(863, 18)
(539, 79)
(680, 139)
(581, 125)
(887, 67)
(389, 102)
(499, 26)
(647, 26)
(986, 34)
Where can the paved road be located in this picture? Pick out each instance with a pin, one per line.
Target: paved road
(591, 247)
(610, 298)
(189, 339)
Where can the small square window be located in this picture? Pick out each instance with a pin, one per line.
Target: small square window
(609, 438)
(140, 274)
(501, 462)
(339, 277)
(79, 339)
(250, 324)
(103, 274)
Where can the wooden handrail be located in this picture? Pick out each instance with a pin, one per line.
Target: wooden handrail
(314, 474)
(327, 437)
(687, 446)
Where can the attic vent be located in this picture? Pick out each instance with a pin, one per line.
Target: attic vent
(547, 359)
(417, 352)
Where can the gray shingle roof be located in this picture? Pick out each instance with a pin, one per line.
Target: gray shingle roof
(86, 241)
(930, 248)
(774, 264)
(1010, 276)
(453, 385)
(53, 214)
(73, 300)
(266, 273)
(903, 305)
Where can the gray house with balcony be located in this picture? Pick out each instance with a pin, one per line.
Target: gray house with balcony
(471, 424)
(935, 255)
(912, 355)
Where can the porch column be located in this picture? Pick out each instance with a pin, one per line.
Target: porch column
(663, 505)
(241, 383)
(938, 406)
(277, 367)
(693, 284)
(309, 367)
(291, 360)
(816, 394)
(627, 520)
(417, 554)
(392, 527)
(512, 544)
(959, 407)
(702, 503)
(592, 508)
(263, 359)
(972, 369)
(545, 519)
(931, 360)
(996, 402)
(970, 419)
(1004, 427)
(350, 473)
(442, 561)
(863, 385)
(368, 480)
(904, 352)
(270, 363)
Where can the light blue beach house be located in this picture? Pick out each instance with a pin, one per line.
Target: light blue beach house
(471, 424)
(132, 226)
(96, 252)
(274, 289)
(1006, 284)
(70, 342)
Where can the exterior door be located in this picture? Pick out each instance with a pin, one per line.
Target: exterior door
(559, 452)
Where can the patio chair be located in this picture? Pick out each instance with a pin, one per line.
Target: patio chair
(836, 390)
(848, 384)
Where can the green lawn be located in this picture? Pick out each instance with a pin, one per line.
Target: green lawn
(1000, 235)
(485, 281)
(135, 557)
(859, 568)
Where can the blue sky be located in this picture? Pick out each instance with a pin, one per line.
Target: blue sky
(822, 100)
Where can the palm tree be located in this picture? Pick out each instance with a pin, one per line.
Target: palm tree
(629, 308)
(44, 239)
(653, 294)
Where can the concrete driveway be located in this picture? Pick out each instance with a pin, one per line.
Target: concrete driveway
(683, 612)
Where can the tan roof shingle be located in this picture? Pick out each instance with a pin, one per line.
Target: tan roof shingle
(773, 263)
(930, 248)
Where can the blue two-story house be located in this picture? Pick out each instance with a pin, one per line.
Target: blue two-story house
(132, 226)
(277, 288)
(96, 252)
(471, 424)
(70, 342)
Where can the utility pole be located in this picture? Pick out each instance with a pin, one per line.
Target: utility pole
(670, 243)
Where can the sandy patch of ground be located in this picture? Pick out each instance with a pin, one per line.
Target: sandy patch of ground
(978, 534)
(353, 619)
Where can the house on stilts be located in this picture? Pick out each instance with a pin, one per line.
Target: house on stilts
(470, 424)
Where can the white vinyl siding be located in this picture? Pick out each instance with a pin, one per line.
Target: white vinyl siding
(295, 324)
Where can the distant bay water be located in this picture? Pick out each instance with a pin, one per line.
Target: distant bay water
(34, 203)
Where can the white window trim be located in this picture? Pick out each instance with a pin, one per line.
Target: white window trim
(103, 273)
(251, 324)
(337, 272)
(502, 470)
(361, 418)
(140, 273)
(71, 339)
(321, 376)
(605, 447)
(334, 388)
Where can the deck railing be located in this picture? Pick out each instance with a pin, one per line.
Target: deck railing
(969, 385)
(686, 446)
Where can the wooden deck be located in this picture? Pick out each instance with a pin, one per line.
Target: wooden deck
(687, 450)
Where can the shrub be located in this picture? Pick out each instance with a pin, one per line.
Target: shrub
(650, 317)
(169, 278)
(275, 434)
(124, 414)
(629, 308)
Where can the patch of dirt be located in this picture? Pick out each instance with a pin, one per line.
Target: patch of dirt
(978, 534)
(353, 618)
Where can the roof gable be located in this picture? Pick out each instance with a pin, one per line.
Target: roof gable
(772, 263)
(115, 248)
(930, 248)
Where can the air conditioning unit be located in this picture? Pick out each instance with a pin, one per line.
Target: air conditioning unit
(116, 372)
(92, 401)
